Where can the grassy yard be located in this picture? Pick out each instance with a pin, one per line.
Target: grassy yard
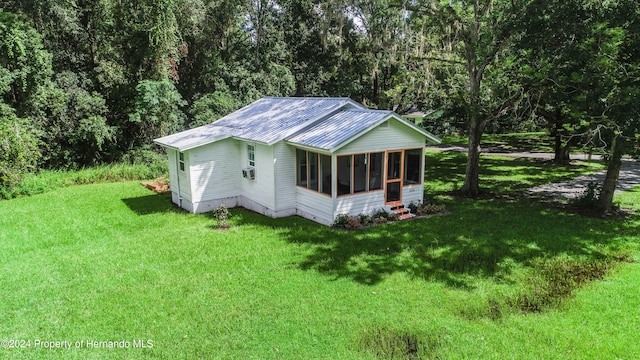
(114, 262)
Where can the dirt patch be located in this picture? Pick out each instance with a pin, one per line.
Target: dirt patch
(160, 186)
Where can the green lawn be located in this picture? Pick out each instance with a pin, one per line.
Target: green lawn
(114, 262)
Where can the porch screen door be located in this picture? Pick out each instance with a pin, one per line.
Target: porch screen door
(393, 191)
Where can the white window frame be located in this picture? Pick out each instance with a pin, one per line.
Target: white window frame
(181, 166)
(251, 154)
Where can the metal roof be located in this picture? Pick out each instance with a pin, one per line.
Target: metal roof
(323, 123)
(267, 120)
(195, 137)
(272, 119)
(342, 126)
(345, 126)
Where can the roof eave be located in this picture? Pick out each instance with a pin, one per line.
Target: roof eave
(186, 148)
(309, 148)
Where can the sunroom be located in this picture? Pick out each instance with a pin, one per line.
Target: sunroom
(361, 174)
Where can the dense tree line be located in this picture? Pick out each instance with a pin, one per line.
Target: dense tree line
(84, 82)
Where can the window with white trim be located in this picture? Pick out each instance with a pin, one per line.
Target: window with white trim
(181, 161)
(251, 154)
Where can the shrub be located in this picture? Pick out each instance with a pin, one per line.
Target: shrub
(19, 152)
(430, 209)
(353, 223)
(414, 206)
(365, 219)
(341, 221)
(381, 213)
(221, 214)
(589, 196)
(393, 217)
(380, 220)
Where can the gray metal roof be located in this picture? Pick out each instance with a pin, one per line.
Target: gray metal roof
(267, 120)
(342, 126)
(195, 137)
(345, 126)
(272, 119)
(323, 123)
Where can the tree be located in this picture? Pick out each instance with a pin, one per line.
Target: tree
(25, 66)
(475, 33)
(72, 123)
(157, 111)
(558, 50)
(19, 152)
(618, 37)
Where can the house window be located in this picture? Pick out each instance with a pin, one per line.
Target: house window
(376, 163)
(251, 152)
(393, 167)
(301, 167)
(325, 174)
(412, 166)
(359, 173)
(312, 160)
(181, 161)
(313, 171)
(364, 172)
(344, 175)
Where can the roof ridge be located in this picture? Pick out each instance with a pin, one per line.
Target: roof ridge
(370, 110)
(308, 97)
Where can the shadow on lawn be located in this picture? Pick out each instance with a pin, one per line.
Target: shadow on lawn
(480, 239)
(150, 204)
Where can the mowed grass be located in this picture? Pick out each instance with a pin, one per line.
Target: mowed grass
(114, 262)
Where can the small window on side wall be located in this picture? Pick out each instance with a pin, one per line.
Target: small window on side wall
(251, 153)
(181, 161)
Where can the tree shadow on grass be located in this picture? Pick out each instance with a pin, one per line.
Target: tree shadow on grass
(150, 204)
(480, 239)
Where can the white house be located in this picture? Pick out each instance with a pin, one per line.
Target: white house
(313, 157)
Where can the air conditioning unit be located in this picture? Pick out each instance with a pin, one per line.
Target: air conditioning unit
(249, 173)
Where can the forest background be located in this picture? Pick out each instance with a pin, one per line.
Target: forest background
(90, 82)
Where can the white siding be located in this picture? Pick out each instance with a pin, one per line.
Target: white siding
(261, 190)
(314, 206)
(180, 179)
(215, 171)
(285, 176)
(413, 193)
(173, 170)
(393, 136)
(365, 203)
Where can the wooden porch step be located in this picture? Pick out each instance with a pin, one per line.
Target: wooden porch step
(403, 212)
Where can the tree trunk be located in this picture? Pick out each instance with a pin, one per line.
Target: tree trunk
(471, 186)
(561, 153)
(605, 201)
